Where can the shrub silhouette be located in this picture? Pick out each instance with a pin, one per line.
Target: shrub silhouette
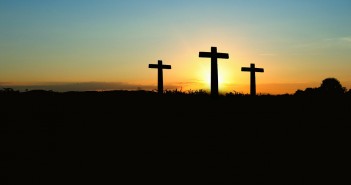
(331, 86)
(236, 93)
(348, 92)
(199, 92)
(328, 87)
(9, 91)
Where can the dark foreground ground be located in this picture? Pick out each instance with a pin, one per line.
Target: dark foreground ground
(142, 138)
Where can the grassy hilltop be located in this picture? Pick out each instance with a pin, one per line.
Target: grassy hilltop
(176, 138)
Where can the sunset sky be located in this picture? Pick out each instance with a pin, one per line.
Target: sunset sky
(108, 44)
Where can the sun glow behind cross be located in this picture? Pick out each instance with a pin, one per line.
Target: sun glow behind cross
(224, 78)
(207, 79)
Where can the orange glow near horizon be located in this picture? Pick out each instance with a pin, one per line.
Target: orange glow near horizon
(95, 44)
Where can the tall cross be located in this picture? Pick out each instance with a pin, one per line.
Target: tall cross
(214, 69)
(252, 71)
(160, 68)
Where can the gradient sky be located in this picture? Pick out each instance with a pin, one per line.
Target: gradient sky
(108, 44)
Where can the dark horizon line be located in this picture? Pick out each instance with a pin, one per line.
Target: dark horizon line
(168, 92)
(122, 86)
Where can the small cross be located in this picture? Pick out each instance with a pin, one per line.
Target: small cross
(160, 68)
(252, 71)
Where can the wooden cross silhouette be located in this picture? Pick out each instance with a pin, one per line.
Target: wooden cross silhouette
(160, 68)
(252, 71)
(214, 69)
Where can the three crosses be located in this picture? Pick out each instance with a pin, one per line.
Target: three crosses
(214, 55)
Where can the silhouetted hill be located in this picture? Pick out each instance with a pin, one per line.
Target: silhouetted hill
(176, 138)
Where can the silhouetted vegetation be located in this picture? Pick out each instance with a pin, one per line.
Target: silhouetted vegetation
(9, 91)
(174, 138)
(329, 87)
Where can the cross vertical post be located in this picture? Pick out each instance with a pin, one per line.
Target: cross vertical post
(160, 68)
(214, 72)
(214, 67)
(160, 78)
(252, 71)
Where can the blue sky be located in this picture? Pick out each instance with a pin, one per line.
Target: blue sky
(298, 42)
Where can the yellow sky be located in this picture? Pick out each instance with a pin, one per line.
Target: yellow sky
(298, 43)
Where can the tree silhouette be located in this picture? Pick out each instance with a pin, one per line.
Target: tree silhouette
(331, 86)
(348, 92)
(9, 91)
